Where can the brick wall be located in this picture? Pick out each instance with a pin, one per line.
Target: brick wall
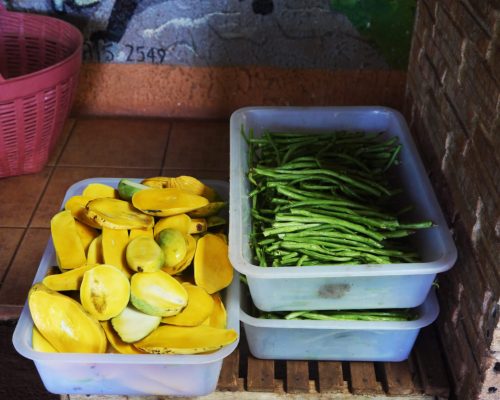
(452, 105)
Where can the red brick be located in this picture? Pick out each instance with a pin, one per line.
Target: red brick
(487, 147)
(476, 74)
(446, 31)
(481, 10)
(442, 67)
(430, 74)
(471, 29)
(447, 37)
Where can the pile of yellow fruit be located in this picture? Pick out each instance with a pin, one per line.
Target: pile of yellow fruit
(140, 270)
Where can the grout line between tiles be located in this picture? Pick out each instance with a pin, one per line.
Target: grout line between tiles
(42, 192)
(68, 136)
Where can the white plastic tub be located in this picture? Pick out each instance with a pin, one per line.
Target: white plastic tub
(281, 339)
(348, 286)
(122, 374)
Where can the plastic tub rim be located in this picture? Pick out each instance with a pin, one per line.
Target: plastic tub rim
(426, 319)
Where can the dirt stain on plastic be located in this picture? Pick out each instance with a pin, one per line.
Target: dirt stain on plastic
(334, 290)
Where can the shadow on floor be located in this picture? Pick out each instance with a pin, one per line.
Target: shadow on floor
(19, 378)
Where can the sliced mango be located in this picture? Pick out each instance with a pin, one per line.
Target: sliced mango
(127, 188)
(39, 343)
(76, 205)
(186, 261)
(174, 245)
(64, 322)
(133, 325)
(94, 253)
(209, 210)
(157, 293)
(116, 342)
(69, 280)
(170, 339)
(180, 222)
(87, 234)
(218, 318)
(144, 254)
(198, 225)
(67, 243)
(212, 269)
(167, 202)
(140, 232)
(104, 292)
(199, 307)
(99, 190)
(114, 246)
(117, 214)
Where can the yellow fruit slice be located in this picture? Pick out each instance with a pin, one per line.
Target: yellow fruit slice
(180, 222)
(99, 190)
(186, 261)
(40, 343)
(167, 202)
(218, 318)
(69, 280)
(76, 205)
(104, 292)
(67, 243)
(140, 232)
(115, 341)
(117, 214)
(199, 307)
(64, 322)
(87, 234)
(157, 293)
(94, 253)
(174, 245)
(209, 210)
(133, 325)
(114, 246)
(170, 339)
(144, 254)
(212, 269)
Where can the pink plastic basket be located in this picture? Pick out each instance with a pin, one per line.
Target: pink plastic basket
(40, 59)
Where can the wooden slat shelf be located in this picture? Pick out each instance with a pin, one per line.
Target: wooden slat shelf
(423, 375)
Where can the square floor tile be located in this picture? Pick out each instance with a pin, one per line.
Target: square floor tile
(106, 142)
(9, 239)
(64, 177)
(22, 271)
(198, 145)
(20, 195)
(61, 141)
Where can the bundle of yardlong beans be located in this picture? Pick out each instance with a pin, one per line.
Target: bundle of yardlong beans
(325, 199)
(343, 315)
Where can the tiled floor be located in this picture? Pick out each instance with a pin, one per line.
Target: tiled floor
(90, 148)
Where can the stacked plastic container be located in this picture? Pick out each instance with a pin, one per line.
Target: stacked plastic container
(341, 287)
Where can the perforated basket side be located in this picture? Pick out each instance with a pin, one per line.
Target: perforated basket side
(40, 58)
